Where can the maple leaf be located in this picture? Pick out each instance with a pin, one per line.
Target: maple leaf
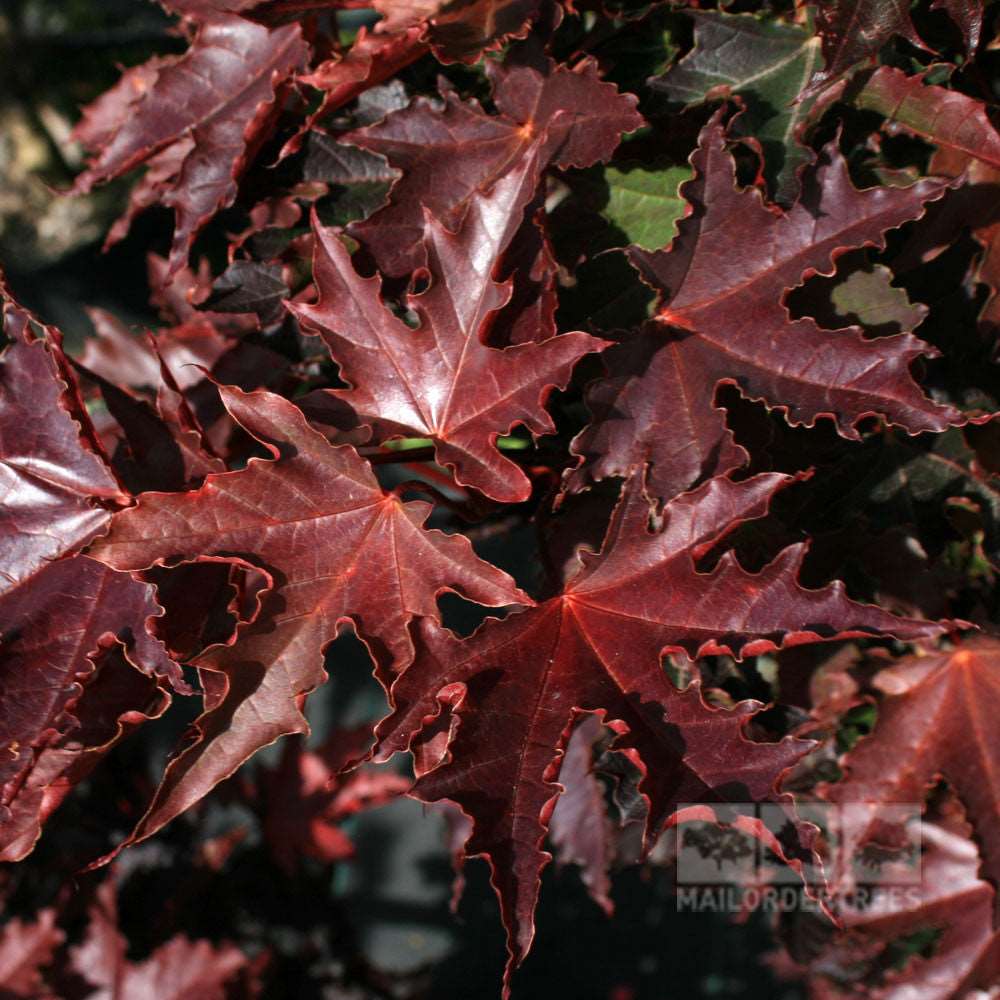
(159, 449)
(461, 30)
(442, 380)
(279, 212)
(197, 119)
(25, 949)
(248, 287)
(330, 161)
(951, 901)
(498, 215)
(163, 432)
(937, 707)
(180, 296)
(456, 31)
(335, 549)
(178, 969)
(969, 147)
(851, 32)
(942, 116)
(374, 57)
(571, 117)
(767, 63)
(53, 485)
(516, 685)
(59, 610)
(723, 320)
(55, 698)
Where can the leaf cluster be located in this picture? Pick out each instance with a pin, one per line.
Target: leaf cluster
(622, 376)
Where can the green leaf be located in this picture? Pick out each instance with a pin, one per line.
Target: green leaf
(767, 63)
(868, 297)
(644, 204)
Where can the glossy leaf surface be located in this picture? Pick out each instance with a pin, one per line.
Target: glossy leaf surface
(314, 520)
(517, 684)
(722, 320)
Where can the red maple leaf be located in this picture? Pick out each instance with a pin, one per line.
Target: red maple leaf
(374, 57)
(127, 359)
(50, 481)
(63, 692)
(60, 612)
(56, 489)
(334, 548)
(968, 147)
(968, 15)
(460, 30)
(579, 827)
(949, 901)
(851, 32)
(938, 707)
(569, 118)
(723, 320)
(442, 380)
(516, 686)
(195, 120)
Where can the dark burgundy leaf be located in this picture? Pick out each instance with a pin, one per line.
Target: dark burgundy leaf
(159, 449)
(936, 707)
(315, 521)
(951, 904)
(448, 154)
(56, 490)
(441, 380)
(968, 15)
(459, 30)
(851, 32)
(374, 57)
(580, 828)
(968, 147)
(331, 161)
(722, 320)
(229, 498)
(941, 116)
(515, 687)
(126, 358)
(196, 118)
(57, 704)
